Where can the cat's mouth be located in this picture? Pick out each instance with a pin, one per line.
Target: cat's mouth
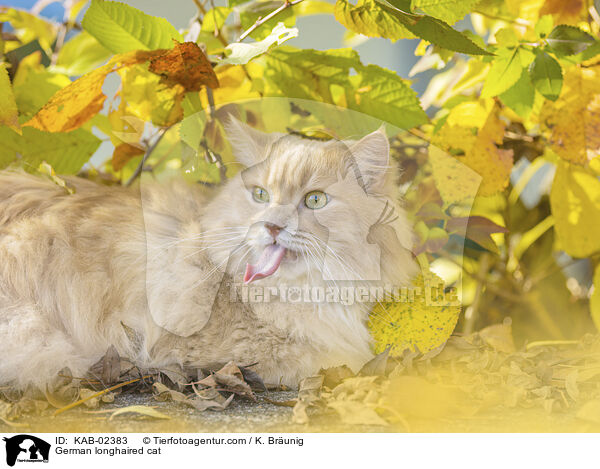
(268, 262)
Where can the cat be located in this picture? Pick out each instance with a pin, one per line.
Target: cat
(157, 272)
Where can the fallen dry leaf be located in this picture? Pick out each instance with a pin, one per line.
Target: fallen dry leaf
(377, 366)
(139, 410)
(357, 413)
(335, 375)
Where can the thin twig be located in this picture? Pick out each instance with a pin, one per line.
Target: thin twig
(211, 102)
(218, 33)
(98, 394)
(215, 158)
(474, 308)
(149, 151)
(63, 29)
(594, 14)
(517, 21)
(262, 20)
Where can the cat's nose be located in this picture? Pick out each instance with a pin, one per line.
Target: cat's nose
(273, 229)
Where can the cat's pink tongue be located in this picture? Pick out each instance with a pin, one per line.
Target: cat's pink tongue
(267, 264)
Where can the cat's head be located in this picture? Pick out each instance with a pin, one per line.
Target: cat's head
(307, 212)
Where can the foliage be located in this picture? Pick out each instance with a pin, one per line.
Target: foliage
(515, 100)
(419, 318)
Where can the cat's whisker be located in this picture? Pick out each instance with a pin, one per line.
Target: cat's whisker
(223, 244)
(212, 238)
(345, 267)
(246, 252)
(202, 235)
(217, 267)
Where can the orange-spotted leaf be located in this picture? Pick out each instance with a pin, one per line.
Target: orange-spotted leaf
(185, 65)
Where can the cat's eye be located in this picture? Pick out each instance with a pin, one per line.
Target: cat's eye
(260, 195)
(316, 200)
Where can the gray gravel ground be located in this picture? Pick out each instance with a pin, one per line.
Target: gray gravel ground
(241, 416)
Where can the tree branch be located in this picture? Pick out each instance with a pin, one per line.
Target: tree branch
(149, 151)
(260, 21)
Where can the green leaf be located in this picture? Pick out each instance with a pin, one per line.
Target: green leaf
(506, 37)
(544, 26)
(369, 19)
(65, 152)
(215, 18)
(392, 21)
(233, 3)
(9, 115)
(520, 96)
(121, 28)
(36, 88)
(240, 53)
(383, 94)
(310, 74)
(569, 40)
(441, 34)
(81, 55)
(546, 76)
(447, 10)
(505, 72)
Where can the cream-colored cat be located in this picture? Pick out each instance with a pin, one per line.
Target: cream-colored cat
(157, 275)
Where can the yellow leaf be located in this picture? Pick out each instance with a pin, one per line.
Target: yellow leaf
(454, 181)
(424, 317)
(565, 11)
(29, 27)
(123, 153)
(75, 104)
(474, 129)
(575, 203)
(9, 115)
(149, 99)
(574, 119)
(595, 299)
(123, 126)
(527, 10)
(234, 85)
(490, 162)
(139, 410)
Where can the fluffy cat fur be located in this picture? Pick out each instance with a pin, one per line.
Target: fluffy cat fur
(149, 270)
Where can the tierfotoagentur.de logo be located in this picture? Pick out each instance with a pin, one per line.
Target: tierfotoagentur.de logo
(26, 448)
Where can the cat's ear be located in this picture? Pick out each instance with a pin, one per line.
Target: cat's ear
(248, 145)
(372, 156)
